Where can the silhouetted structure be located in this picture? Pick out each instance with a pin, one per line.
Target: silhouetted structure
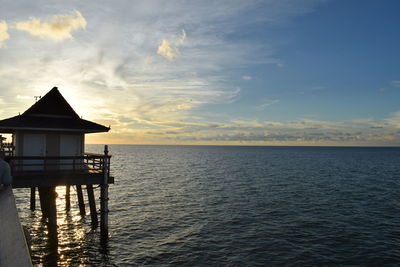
(47, 150)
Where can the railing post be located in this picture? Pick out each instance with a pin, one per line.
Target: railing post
(104, 199)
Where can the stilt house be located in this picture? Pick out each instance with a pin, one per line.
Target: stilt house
(47, 148)
(49, 136)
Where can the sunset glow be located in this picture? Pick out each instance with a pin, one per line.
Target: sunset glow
(286, 72)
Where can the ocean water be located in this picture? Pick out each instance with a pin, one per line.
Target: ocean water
(235, 206)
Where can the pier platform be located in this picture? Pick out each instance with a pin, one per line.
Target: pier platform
(13, 247)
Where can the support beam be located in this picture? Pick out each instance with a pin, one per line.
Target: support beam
(104, 199)
(92, 205)
(80, 200)
(52, 256)
(67, 198)
(49, 210)
(33, 198)
(104, 211)
(52, 210)
(43, 197)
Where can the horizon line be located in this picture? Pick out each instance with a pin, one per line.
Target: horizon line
(350, 146)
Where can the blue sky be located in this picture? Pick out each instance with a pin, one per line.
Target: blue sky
(270, 72)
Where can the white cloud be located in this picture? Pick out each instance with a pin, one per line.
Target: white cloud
(394, 120)
(182, 38)
(24, 97)
(267, 104)
(171, 51)
(165, 50)
(58, 28)
(247, 77)
(396, 84)
(299, 132)
(114, 76)
(3, 33)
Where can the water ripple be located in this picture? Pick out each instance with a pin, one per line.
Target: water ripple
(237, 206)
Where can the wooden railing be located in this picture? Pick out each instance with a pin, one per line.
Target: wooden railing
(88, 163)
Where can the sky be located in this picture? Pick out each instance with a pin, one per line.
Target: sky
(227, 72)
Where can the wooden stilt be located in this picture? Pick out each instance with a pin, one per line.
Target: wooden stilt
(104, 212)
(33, 198)
(52, 209)
(67, 198)
(80, 200)
(44, 201)
(49, 210)
(52, 225)
(92, 205)
(104, 199)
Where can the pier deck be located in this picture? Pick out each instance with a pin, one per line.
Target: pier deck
(13, 248)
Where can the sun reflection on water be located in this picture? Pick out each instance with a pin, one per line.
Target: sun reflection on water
(72, 244)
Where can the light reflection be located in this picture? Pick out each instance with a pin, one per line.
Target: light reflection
(73, 245)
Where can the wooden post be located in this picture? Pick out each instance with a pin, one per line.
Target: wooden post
(52, 226)
(104, 198)
(33, 198)
(67, 198)
(48, 205)
(92, 205)
(80, 200)
(43, 197)
(52, 210)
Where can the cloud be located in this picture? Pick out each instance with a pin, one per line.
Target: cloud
(299, 132)
(267, 104)
(165, 50)
(394, 120)
(182, 38)
(114, 76)
(3, 33)
(24, 97)
(183, 106)
(58, 28)
(170, 51)
(396, 84)
(247, 77)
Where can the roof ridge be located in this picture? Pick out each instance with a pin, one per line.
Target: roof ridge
(52, 103)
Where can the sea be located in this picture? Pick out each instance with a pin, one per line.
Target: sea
(233, 206)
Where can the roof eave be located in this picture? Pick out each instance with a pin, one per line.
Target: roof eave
(13, 129)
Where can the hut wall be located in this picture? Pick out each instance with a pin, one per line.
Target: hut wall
(53, 144)
(40, 143)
